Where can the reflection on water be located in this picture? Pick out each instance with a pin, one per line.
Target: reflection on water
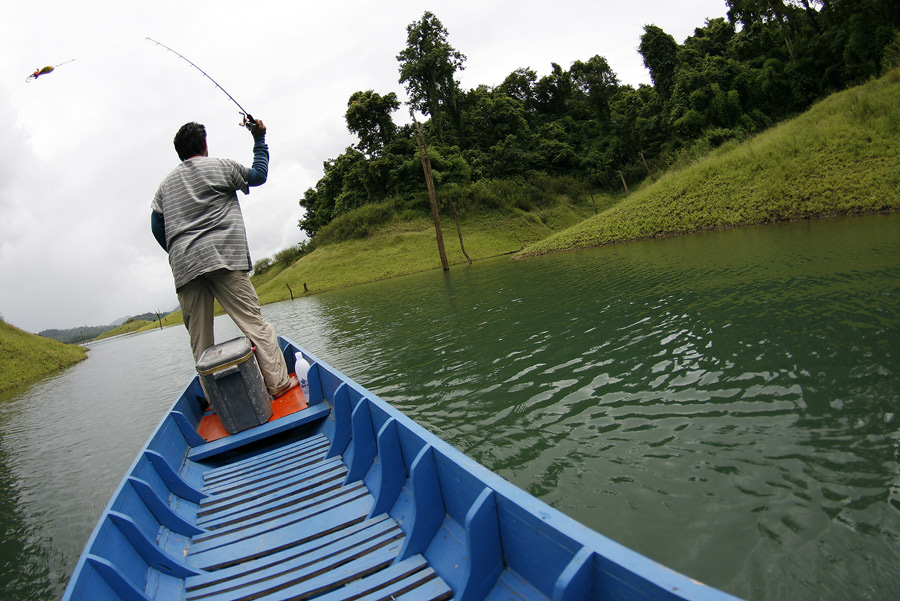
(723, 403)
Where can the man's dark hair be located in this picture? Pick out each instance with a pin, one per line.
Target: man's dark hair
(190, 140)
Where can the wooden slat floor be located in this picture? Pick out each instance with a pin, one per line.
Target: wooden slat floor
(283, 526)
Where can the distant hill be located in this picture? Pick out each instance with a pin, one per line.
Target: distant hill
(85, 333)
(129, 327)
(75, 335)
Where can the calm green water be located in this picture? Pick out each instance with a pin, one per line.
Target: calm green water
(725, 403)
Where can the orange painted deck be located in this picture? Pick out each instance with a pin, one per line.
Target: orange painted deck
(211, 427)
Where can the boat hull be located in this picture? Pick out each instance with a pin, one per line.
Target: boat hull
(345, 499)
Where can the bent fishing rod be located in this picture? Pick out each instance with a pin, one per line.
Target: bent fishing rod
(248, 118)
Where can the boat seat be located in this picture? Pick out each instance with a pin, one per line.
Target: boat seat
(235, 441)
(253, 511)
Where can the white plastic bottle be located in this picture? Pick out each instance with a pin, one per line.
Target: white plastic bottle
(301, 368)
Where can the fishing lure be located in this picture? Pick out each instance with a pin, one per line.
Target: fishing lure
(38, 72)
(247, 120)
(44, 71)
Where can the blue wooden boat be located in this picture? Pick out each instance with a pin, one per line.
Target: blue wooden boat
(344, 499)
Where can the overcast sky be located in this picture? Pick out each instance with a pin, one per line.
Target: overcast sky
(84, 148)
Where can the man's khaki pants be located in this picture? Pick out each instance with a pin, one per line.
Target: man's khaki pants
(236, 294)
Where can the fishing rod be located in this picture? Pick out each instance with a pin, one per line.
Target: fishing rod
(248, 118)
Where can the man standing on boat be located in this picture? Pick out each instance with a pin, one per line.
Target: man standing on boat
(197, 219)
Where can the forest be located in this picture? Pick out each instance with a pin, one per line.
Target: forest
(579, 129)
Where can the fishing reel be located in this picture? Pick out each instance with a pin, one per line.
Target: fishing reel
(248, 121)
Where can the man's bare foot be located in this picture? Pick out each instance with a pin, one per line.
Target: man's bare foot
(292, 383)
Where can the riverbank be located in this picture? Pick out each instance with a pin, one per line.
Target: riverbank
(26, 358)
(403, 248)
(838, 158)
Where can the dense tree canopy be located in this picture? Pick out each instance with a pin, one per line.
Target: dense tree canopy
(768, 60)
(369, 117)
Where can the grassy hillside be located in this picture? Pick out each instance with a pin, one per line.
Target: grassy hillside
(408, 247)
(26, 358)
(132, 325)
(840, 157)
(173, 318)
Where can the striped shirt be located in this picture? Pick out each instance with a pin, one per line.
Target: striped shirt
(204, 226)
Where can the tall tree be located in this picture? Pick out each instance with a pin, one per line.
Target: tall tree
(519, 85)
(660, 53)
(554, 91)
(428, 67)
(596, 80)
(369, 117)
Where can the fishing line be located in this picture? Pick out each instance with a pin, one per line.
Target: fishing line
(248, 118)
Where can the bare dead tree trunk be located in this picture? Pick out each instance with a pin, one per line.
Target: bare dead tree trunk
(623, 182)
(429, 182)
(459, 233)
(811, 13)
(786, 29)
(647, 167)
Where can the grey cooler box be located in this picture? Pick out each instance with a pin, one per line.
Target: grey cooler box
(234, 385)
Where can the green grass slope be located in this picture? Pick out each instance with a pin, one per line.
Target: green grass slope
(132, 325)
(172, 319)
(405, 247)
(840, 157)
(408, 247)
(27, 358)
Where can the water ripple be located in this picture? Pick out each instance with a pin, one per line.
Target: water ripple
(729, 390)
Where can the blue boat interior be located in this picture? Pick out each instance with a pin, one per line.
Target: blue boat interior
(346, 499)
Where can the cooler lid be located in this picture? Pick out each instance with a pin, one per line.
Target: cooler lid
(225, 354)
